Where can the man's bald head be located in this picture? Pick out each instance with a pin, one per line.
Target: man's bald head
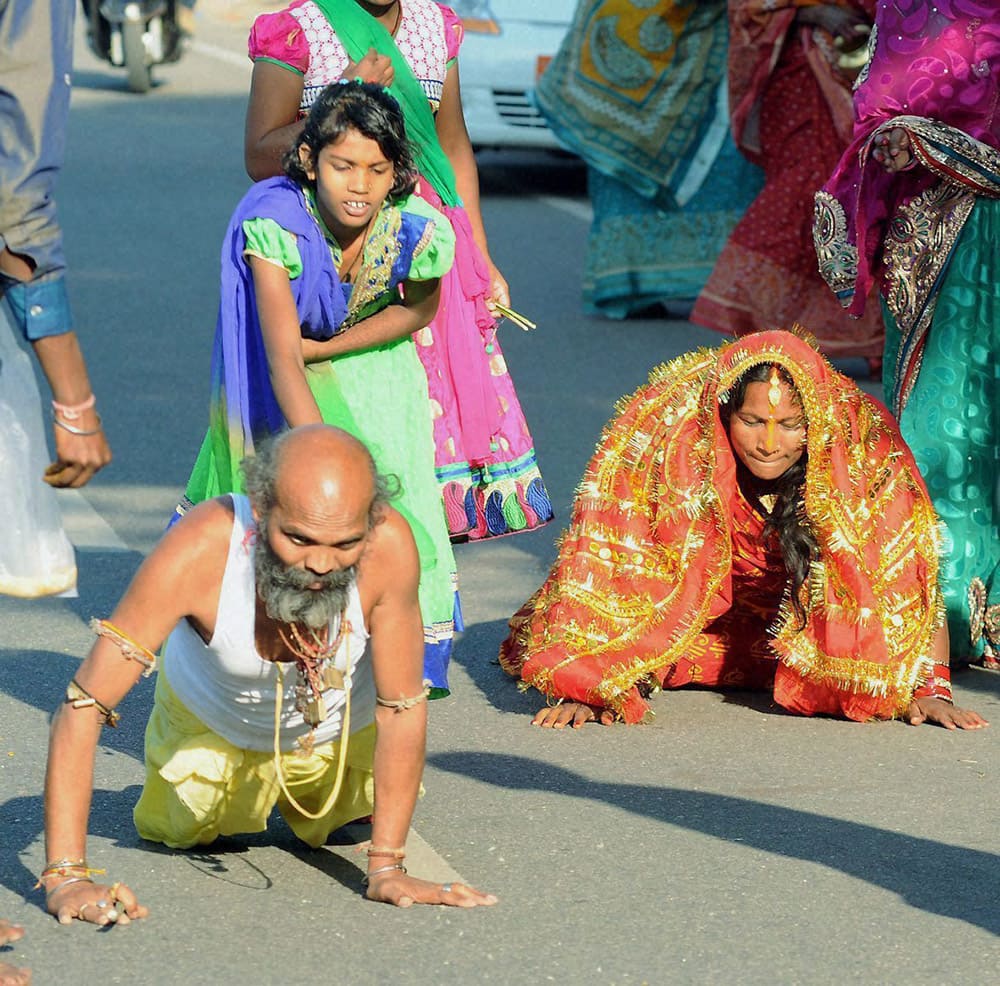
(318, 465)
(315, 467)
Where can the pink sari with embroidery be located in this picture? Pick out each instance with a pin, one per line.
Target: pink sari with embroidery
(938, 62)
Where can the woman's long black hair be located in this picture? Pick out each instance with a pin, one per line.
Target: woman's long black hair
(373, 113)
(798, 546)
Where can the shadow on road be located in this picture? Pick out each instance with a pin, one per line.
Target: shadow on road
(21, 824)
(476, 651)
(226, 860)
(978, 680)
(23, 678)
(933, 876)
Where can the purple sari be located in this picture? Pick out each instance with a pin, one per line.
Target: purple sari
(933, 71)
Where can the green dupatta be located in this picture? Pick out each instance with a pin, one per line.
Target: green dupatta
(358, 31)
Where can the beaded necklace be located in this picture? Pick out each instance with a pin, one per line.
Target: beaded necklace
(307, 744)
(314, 669)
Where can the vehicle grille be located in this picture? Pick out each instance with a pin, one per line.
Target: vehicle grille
(515, 108)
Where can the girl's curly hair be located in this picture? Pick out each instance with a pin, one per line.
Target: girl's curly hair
(373, 113)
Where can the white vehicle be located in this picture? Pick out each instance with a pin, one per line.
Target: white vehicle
(508, 44)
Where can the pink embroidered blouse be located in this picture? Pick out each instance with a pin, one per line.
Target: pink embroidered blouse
(301, 39)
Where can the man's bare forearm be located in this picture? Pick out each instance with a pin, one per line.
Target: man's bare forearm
(399, 766)
(69, 782)
(61, 360)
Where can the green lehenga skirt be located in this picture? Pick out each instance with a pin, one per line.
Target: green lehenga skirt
(380, 396)
(952, 423)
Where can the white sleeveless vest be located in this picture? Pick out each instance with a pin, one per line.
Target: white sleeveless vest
(227, 684)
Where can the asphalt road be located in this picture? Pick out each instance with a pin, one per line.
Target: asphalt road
(725, 842)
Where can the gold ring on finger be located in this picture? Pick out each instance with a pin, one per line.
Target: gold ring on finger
(114, 890)
(83, 907)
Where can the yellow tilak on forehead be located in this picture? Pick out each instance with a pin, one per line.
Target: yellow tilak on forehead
(774, 399)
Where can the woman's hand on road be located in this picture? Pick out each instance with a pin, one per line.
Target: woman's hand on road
(575, 714)
(943, 713)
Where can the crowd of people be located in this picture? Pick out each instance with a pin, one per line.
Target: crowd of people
(750, 519)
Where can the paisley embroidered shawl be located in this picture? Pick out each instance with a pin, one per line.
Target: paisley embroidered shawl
(632, 90)
(934, 70)
(646, 563)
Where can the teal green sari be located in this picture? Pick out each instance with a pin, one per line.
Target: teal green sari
(951, 421)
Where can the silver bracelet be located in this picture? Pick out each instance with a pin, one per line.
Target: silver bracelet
(73, 430)
(66, 883)
(382, 869)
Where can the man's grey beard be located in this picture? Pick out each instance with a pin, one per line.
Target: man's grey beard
(286, 594)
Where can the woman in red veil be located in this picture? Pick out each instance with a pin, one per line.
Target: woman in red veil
(750, 519)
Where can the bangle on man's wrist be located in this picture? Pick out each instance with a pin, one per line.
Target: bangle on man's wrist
(73, 430)
(382, 870)
(396, 854)
(49, 891)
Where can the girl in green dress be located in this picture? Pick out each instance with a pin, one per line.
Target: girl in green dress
(326, 273)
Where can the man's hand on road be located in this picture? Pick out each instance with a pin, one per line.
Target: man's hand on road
(402, 890)
(94, 903)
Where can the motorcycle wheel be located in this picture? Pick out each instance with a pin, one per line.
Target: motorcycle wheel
(137, 68)
(98, 30)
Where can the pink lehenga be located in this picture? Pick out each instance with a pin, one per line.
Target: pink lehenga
(484, 454)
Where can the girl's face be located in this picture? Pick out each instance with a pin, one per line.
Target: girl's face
(352, 178)
(768, 438)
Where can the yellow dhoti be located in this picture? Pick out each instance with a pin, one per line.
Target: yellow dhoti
(200, 786)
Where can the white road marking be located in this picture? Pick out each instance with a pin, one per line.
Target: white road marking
(222, 54)
(572, 207)
(426, 863)
(421, 859)
(85, 527)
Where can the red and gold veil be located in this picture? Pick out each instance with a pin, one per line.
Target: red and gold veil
(645, 564)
